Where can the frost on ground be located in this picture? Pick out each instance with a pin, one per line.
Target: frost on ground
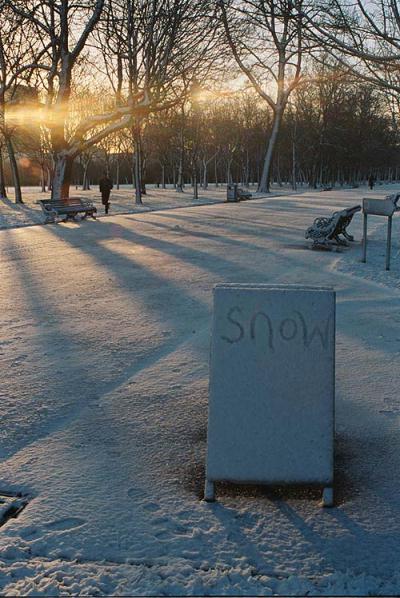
(122, 202)
(104, 372)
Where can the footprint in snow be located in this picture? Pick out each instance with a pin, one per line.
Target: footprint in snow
(18, 360)
(134, 492)
(114, 453)
(392, 406)
(163, 534)
(65, 524)
(389, 413)
(151, 506)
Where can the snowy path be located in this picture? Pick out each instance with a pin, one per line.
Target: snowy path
(104, 355)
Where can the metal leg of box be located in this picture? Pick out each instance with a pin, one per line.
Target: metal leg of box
(209, 491)
(364, 256)
(327, 497)
(388, 243)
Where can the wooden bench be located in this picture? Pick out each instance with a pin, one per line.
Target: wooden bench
(325, 231)
(68, 207)
(243, 195)
(236, 193)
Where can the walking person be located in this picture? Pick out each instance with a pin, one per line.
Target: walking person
(371, 181)
(105, 185)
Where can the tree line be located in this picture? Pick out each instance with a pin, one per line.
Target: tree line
(172, 91)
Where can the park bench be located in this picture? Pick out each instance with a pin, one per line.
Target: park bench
(243, 195)
(236, 193)
(325, 231)
(68, 207)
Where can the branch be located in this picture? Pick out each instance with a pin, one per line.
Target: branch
(94, 19)
(239, 61)
(123, 116)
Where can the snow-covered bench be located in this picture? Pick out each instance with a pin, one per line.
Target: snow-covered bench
(244, 194)
(325, 231)
(236, 193)
(68, 207)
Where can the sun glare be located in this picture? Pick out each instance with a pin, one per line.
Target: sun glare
(24, 116)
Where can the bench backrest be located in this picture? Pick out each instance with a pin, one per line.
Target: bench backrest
(352, 211)
(67, 203)
(62, 202)
(342, 219)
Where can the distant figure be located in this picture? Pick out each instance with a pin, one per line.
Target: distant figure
(105, 185)
(371, 181)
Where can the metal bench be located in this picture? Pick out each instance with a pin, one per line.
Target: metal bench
(236, 193)
(243, 195)
(68, 207)
(325, 231)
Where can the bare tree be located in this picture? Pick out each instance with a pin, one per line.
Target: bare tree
(169, 32)
(17, 49)
(155, 46)
(363, 36)
(266, 38)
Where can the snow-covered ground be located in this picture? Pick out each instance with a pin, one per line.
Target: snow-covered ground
(104, 370)
(122, 201)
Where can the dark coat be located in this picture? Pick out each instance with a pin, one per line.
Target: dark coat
(105, 185)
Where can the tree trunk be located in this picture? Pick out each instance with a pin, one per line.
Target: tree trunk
(264, 185)
(42, 179)
(246, 170)
(3, 191)
(313, 179)
(117, 175)
(278, 171)
(180, 183)
(14, 171)
(228, 172)
(216, 172)
(174, 176)
(294, 174)
(50, 174)
(195, 185)
(138, 173)
(163, 176)
(85, 182)
(205, 175)
(62, 176)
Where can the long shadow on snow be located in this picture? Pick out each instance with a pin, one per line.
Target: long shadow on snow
(259, 272)
(319, 542)
(164, 246)
(55, 347)
(68, 347)
(250, 230)
(343, 538)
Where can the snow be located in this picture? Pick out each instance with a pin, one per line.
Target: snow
(104, 372)
(122, 202)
